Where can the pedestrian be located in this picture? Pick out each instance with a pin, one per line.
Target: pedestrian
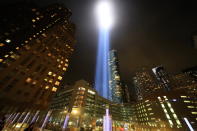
(2, 123)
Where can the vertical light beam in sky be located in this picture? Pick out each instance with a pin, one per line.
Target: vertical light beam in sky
(105, 21)
(101, 80)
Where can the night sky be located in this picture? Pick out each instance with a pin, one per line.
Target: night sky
(146, 33)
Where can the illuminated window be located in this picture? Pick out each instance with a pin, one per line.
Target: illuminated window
(58, 60)
(6, 56)
(50, 73)
(82, 88)
(1, 44)
(91, 92)
(54, 89)
(57, 83)
(169, 105)
(34, 82)
(190, 106)
(14, 56)
(61, 62)
(167, 116)
(66, 60)
(175, 116)
(49, 54)
(64, 69)
(28, 80)
(54, 75)
(17, 48)
(51, 80)
(43, 34)
(66, 64)
(183, 96)
(187, 101)
(8, 40)
(171, 123)
(194, 113)
(59, 78)
(46, 87)
(1, 60)
(172, 110)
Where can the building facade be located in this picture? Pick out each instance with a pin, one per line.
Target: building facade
(162, 77)
(169, 110)
(87, 108)
(145, 83)
(115, 86)
(35, 48)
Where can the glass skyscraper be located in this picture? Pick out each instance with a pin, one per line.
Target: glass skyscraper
(114, 77)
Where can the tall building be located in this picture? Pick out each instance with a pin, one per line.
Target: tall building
(183, 80)
(145, 83)
(162, 77)
(35, 47)
(114, 78)
(126, 93)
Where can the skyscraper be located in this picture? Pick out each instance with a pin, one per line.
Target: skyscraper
(35, 46)
(162, 77)
(145, 83)
(114, 78)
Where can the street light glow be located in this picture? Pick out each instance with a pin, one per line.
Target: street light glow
(104, 14)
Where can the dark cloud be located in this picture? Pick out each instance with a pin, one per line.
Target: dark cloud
(147, 33)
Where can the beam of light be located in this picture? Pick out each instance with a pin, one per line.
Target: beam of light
(188, 124)
(104, 14)
(102, 72)
(105, 21)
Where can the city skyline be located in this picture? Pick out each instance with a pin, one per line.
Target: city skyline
(146, 33)
(128, 74)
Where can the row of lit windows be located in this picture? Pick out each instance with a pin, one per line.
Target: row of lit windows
(172, 111)
(54, 75)
(54, 89)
